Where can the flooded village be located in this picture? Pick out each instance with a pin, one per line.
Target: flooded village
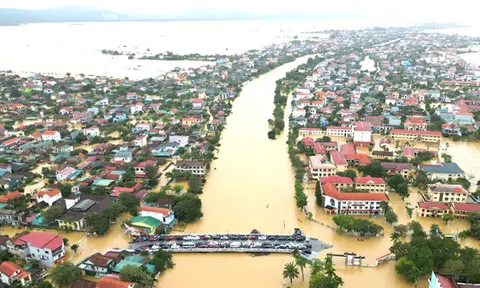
(370, 149)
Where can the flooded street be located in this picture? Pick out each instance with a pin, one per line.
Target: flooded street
(251, 186)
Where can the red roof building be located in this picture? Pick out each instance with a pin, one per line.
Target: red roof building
(109, 282)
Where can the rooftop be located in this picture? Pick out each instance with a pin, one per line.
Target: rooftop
(444, 168)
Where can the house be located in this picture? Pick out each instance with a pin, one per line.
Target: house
(189, 121)
(51, 135)
(47, 248)
(447, 193)
(166, 216)
(414, 135)
(181, 140)
(444, 171)
(142, 225)
(49, 196)
(110, 282)
(81, 117)
(123, 156)
(12, 217)
(355, 159)
(11, 142)
(68, 173)
(370, 184)
(140, 168)
(11, 272)
(136, 108)
(98, 265)
(197, 103)
(415, 123)
(144, 126)
(320, 168)
(351, 203)
(403, 169)
(197, 168)
(140, 141)
(362, 134)
(91, 131)
(340, 182)
(131, 96)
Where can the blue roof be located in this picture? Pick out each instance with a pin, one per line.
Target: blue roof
(445, 168)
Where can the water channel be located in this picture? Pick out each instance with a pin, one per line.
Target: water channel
(251, 186)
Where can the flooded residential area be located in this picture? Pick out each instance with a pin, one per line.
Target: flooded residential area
(304, 156)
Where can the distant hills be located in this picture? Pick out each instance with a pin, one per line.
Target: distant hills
(85, 14)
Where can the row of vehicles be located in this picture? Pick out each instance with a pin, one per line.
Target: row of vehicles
(306, 248)
(224, 237)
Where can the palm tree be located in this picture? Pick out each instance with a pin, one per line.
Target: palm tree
(302, 263)
(384, 206)
(290, 271)
(177, 188)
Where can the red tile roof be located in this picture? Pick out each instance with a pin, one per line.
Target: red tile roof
(362, 158)
(318, 148)
(11, 141)
(365, 180)
(435, 205)
(466, 207)
(347, 149)
(50, 133)
(308, 142)
(10, 196)
(9, 268)
(336, 179)
(109, 282)
(363, 127)
(160, 210)
(41, 240)
(50, 193)
(330, 190)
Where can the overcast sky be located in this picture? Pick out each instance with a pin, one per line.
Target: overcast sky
(427, 10)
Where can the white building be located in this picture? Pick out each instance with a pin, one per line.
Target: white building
(362, 134)
(140, 141)
(166, 216)
(136, 108)
(91, 131)
(338, 131)
(47, 248)
(180, 139)
(351, 203)
(197, 168)
(142, 127)
(66, 173)
(320, 168)
(51, 135)
(49, 196)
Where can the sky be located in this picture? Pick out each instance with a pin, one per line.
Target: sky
(426, 10)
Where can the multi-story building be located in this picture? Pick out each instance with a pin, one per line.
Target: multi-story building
(163, 214)
(444, 171)
(197, 168)
(47, 248)
(51, 135)
(351, 203)
(404, 169)
(370, 184)
(362, 134)
(340, 182)
(338, 131)
(432, 209)
(10, 272)
(49, 196)
(91, 131)
(414, 135)
(320, 168)
(98, 265)
(447, 193)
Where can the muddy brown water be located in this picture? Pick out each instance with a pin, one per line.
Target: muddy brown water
(250, 186)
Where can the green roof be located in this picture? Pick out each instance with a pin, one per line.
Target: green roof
(148, 220)
(124, 263)
(102, 182)
(136, 259)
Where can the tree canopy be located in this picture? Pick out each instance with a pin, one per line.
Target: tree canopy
(64, 274)
(131, 273)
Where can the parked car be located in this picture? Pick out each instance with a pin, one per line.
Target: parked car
(224, 237)
(191, 237)
(262, 237)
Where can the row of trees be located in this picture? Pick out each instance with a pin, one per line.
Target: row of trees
(322, 274)
(352, 224)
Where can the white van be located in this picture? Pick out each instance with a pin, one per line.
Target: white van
(235, 245)
(188, 245)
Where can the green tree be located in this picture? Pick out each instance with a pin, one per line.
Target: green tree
(195, 185)
(131, 273)
(130, 202)
(188, 208)
(272, 134)
(373, 169)
(75, 247)
(52, 213)
(100, 224)
(44, 284)
(162, 260)
(302, 263)
(290, 271)
(64, 274)
(407, 269)
(447, 217)
(348, 173)
(395, 180)
(66, 242)
(177, 188)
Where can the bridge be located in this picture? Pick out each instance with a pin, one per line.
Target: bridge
(254, 243)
